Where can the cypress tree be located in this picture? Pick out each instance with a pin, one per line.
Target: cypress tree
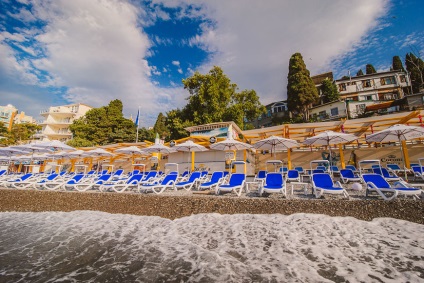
(360, 73)
(397, 64)
(370, 69)
(329, 91)
(415, 67)
(301, 90)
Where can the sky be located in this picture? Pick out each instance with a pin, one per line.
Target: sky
(57, 52)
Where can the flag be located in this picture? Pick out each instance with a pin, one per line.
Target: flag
(136, 119)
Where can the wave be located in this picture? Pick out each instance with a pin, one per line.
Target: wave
(101, 247)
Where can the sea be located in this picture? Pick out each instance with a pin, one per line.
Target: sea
(90, 246)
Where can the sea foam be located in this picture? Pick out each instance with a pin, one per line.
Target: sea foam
(102, 247)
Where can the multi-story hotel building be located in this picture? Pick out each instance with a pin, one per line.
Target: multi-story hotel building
(57, 120)
(7, 114)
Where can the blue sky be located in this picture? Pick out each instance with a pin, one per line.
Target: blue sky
(61, 51)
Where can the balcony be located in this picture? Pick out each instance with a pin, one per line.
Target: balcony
(58, 111)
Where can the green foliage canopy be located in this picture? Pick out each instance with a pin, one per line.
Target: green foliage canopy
(19, 133)
(415, 67)
(104, 125)
(360, 73)
(301, 90)
(329, 91)
(397, 64)
(369, 69)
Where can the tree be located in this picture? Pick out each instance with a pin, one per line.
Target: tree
(415, 67)
(397, 64)
(104, 125)
(329, 91)
(20, 133)
(160, 126)
(369, 69)
(213, 98)
(301, 91)
(345, 78)
(360, 73)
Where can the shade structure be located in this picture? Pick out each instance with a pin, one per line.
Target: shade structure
(274, 143)
(98, 152)
(10, 152)
(397, 133)
(76, 154)
(328, 138)
(132, 150)
(230, 144)
(55, 145)
(31, 148)
(159, 148)
(190, 146)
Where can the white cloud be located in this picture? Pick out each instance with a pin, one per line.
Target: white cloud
(96, 50)
(180, 70)
(176, 63)
(253, 40)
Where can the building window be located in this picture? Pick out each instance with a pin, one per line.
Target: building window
(269, 113)
(334, 111)
(342, 87)
(402, 78)
(388, 80)
(322, 114)
(366, 83)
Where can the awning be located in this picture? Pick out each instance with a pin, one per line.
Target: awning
(378, 106)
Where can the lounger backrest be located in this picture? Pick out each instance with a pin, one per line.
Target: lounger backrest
(118, 172)
(293, 174)
(299, 169)
(351, 167)
(2, 172)
(169, 178)
(52, 177)
(261, 174)
(316, 171)
(135, 178)
(322, 180)
(334, 169)
(103, 178)
(26, 176)
(274, 179)
(381, 171)
(320, 167)
(284, 169)
(216, 176)
(75, 179)
(185, 173)
(151, 174)
(237, 179)
(377, 180)
(393, 166)
(226, 173)
(194, 176)
(204, 173)
(417, 169)
(347, 173)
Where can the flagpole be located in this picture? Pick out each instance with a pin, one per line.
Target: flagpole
(137, 121)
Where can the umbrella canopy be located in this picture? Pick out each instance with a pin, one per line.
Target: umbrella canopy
(98, 152)
(55, 145)
(189, 146)
(31, 148)
(273, 143)
(329, 138)
(76, 154)
(9, 151)
(159, 148)
(133, 150)
(230, 144)
(396, 133)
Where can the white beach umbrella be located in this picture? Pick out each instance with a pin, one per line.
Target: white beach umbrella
(10, 152)
(98, 152)
(329, 138)
(230, 144)
(75, 154)
(132, 150)
(273, 143)
(190, 146)
(159, 148)
(55, 145)
(397, 133)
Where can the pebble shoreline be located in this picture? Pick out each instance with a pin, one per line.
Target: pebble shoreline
(174, 206)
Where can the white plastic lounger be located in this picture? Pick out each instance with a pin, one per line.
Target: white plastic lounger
(57, 185)
(322, 183)
(82, 187)
(159, 187)
(36, 183)
(235, 184)
(190, 182)
(131, 183)
(274, 183)
(216, 178)
(376, 183)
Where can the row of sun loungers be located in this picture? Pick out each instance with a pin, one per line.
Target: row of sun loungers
(320, 180)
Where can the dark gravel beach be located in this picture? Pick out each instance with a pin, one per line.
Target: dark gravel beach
(174, 206)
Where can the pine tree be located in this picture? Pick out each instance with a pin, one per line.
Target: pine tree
(360, 73)
(415, 67)
(301, 90)
(397, 64)
(370, 69)
(329, 91)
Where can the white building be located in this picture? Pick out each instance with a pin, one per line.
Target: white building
(57, 120)
(373, 92)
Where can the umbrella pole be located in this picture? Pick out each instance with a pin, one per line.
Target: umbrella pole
(403, 159)
(192, 161)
